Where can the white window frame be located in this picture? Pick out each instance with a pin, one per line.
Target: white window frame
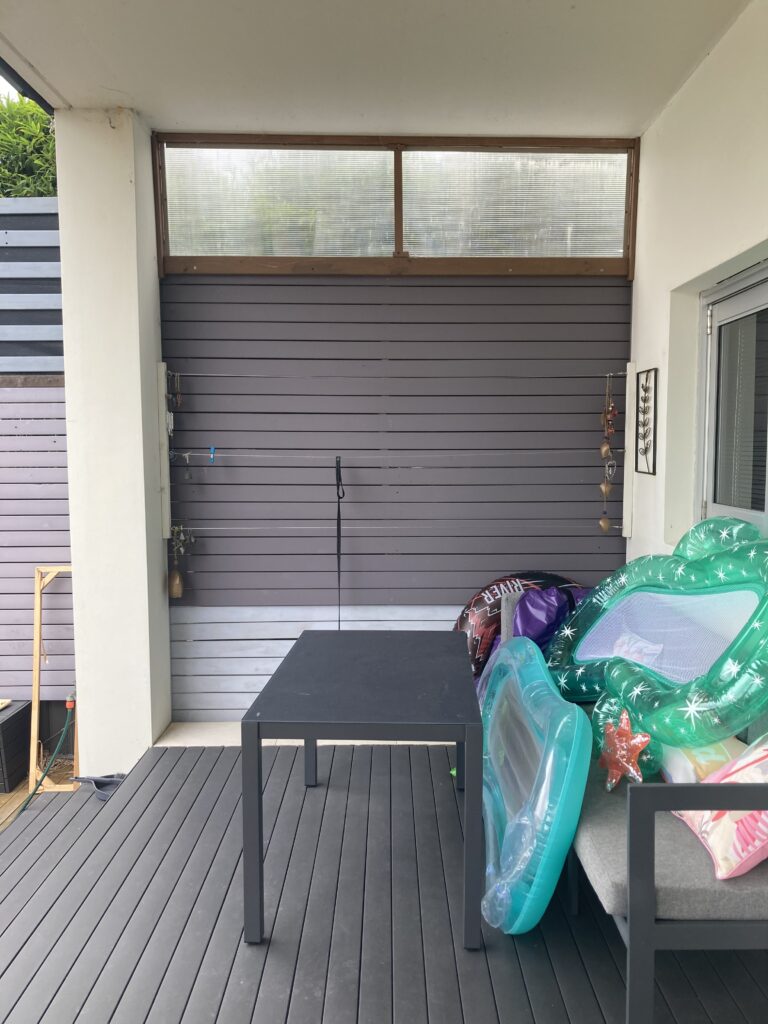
(722, 308)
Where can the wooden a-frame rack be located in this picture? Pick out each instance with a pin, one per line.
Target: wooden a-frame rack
(44, 576)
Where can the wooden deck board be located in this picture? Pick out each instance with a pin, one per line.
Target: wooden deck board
(309, 979)
(131, 910)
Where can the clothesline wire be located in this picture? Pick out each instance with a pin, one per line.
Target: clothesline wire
(367, 460)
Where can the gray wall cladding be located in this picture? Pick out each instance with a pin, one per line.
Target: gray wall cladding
(466, 412)
(467, 415)
(34, 530)
(30, 287)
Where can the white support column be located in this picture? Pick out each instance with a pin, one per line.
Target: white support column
(111, 315)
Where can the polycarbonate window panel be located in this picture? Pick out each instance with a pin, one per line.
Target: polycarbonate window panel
(494, 203)
(279, 202)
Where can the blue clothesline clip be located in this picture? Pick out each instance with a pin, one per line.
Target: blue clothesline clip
(212, 455)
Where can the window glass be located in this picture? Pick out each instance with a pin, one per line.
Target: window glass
(494, 203)
(741, 432)
(279, 202)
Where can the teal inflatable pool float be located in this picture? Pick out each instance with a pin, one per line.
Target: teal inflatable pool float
(536, 758)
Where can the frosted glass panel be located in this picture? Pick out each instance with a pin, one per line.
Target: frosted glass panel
(279, 202)
(514, 204)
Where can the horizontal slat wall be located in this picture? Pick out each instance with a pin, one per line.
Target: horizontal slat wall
(34, 530)
(466, 412)
(30, 287)
(222, 657)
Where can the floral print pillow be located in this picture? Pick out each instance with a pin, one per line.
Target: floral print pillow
(736, 840)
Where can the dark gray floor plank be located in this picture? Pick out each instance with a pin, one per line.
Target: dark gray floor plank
(145, 944)
(184, 956)
(709, 988)
(742, 986)
(242, 986)
(756, 962)
(34, 864)
(308, 992)
(195, 982)
(342, 985)
(477, 997)
(679, 995)
(585, 970)
(375, 998)
(663, 1014)
(595, 996)
(409, 994)
(509, 991)
(279, 969)
(442, 983)
(90, 854)
(23, 829)
(540, 981)
(95, 922)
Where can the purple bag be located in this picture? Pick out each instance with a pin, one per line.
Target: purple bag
(540, 613)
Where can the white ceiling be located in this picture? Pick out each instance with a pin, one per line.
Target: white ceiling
(517, 67)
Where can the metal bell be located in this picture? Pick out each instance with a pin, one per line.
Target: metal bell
(605, 488)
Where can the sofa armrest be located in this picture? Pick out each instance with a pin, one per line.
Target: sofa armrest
(643, 803)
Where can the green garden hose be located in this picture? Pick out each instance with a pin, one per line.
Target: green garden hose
(51, 759)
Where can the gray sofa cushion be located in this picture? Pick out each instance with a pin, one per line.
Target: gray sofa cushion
(686, 887)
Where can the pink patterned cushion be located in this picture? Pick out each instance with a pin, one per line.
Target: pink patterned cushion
(735, 840)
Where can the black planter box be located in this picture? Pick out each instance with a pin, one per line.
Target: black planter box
(15, 722)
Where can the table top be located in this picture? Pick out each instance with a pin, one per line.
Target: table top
(376, 677)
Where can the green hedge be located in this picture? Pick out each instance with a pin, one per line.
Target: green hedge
(27, 150)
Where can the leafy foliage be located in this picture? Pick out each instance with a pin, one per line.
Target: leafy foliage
(27, 150)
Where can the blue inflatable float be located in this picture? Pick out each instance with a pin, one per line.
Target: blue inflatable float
(537, 750)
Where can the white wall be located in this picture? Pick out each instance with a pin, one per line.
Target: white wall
(110, 299)
(703, 216)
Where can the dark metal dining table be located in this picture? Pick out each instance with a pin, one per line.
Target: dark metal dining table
(407, 685)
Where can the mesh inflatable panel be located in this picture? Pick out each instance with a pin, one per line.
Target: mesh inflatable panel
(679, 636)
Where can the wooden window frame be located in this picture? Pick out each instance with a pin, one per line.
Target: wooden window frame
(400, 263)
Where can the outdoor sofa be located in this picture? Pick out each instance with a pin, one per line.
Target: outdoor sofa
(654, 876)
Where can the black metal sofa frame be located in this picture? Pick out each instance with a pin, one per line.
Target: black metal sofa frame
(642, 931)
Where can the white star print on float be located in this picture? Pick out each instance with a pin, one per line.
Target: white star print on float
(568, 632)
(692, 709)
(731, 669)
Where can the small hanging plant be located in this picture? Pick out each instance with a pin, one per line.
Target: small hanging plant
(182, 539)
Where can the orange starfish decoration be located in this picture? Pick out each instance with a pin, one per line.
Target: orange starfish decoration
(621, 749)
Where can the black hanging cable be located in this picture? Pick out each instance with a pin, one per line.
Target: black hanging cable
(340, 494)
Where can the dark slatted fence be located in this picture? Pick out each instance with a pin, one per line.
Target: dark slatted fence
(466, 413)
(30, 287)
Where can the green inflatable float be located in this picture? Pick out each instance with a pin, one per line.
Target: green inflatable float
(679, 642)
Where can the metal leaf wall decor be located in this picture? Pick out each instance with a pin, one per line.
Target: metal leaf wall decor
(645, 429)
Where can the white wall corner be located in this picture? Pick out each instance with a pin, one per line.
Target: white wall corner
(702, 217)
(111, 315)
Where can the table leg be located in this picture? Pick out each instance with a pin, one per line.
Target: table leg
(310, 762)
(473, 835)
(253, 835)
(459, 766)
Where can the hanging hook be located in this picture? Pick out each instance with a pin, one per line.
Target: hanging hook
(212, 455)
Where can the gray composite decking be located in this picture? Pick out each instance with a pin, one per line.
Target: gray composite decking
(131, 911)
